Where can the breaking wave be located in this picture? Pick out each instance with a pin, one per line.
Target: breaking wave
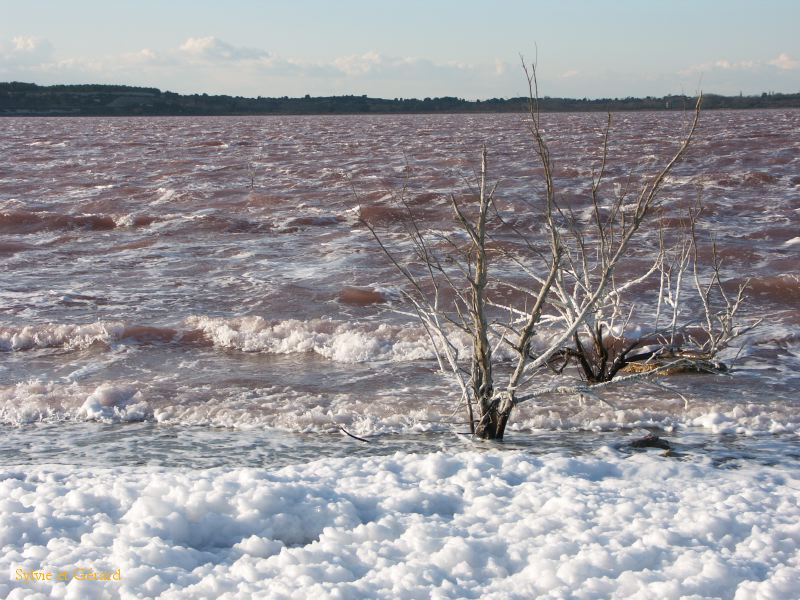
(338, 341)
(335, 340)
(78, 337)
(38, 401)
(240, 406)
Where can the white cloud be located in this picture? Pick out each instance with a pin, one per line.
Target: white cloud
(213, 65)
(784, 62)
(25, 50)
(722, 64)
(145, 56)
(23, 43)
(374, 64)
(213, 49)
(359, 64)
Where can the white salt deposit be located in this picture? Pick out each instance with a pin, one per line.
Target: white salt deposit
(471, 525)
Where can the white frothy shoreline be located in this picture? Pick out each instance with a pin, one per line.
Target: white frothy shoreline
(440, 525)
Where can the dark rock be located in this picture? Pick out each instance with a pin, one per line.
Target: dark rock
(651, 441)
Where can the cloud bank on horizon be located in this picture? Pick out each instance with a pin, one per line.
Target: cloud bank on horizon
(209, 64)
(467, 48)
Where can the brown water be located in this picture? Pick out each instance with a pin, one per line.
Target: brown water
(212, 271)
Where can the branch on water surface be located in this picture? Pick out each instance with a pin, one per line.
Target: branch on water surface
(355, 437)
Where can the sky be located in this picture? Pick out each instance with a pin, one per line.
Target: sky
(390, 49)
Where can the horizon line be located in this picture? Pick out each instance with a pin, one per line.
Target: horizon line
(765, 93)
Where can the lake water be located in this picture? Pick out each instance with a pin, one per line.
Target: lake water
(200, 292)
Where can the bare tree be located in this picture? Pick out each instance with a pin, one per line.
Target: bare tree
(612, 340)
(496, 286)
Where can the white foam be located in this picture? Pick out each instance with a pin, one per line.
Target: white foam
(164, 195)
(128, 220)
(290, 410)
(79, 397)
(54, 335)
(113, 403)
(339, 341)
(36, 401)
(423, 526)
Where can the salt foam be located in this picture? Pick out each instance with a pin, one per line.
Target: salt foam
(469, 525)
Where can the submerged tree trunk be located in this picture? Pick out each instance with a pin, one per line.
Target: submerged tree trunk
(493, 422)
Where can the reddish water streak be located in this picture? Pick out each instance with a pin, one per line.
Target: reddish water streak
(25, 222)
(360, 296)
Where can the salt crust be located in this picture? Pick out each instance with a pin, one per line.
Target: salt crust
(470, 525)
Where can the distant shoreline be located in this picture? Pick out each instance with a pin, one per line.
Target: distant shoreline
(31, 100)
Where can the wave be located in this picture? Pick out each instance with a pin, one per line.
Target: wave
(338, 341)
(71, 337)
(26, 222)
(229, 406)
(14, 247)
(23, 222)
(38, 401)
(221, 224)
(783, 288)
(78, 337)
(428, 409)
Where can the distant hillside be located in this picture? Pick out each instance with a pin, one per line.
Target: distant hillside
(29, 99)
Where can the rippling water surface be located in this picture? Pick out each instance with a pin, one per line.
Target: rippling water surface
(187, 274)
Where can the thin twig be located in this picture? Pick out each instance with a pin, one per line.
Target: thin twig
(355, 437)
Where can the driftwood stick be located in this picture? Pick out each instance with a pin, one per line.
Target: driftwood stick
(355, 437)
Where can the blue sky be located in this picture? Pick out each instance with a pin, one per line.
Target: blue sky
(406, 49)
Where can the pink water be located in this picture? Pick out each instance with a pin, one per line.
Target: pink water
(212, 271)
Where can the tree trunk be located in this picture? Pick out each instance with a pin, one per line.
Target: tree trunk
(492, 423)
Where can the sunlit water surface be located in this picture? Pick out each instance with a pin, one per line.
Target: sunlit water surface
(199, 292)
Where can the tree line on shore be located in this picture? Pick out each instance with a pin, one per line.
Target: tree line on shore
(30, 99)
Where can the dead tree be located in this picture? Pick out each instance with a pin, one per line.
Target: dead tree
(616, 340)
(456, 281)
